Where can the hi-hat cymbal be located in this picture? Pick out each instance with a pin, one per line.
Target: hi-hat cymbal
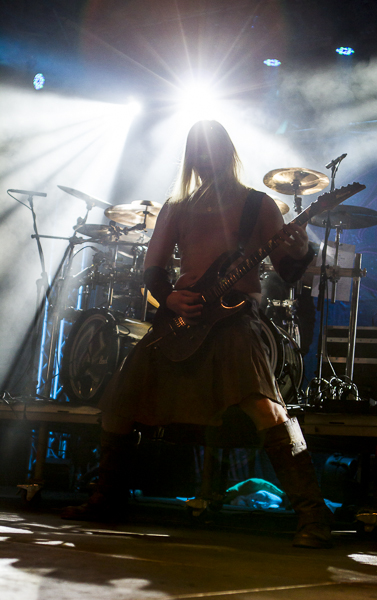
(347, 217)
(106, 235)
(134, 213)
(296, 181)
(90, 200)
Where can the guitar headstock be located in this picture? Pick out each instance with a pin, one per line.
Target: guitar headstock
(330, 200)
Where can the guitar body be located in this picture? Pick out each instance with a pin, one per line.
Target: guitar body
(177, 340)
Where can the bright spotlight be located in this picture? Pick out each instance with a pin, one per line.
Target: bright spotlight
(344, 51)
(272, 62)
(198, 101)
(134, 108)
(121, 115)
(39, 81)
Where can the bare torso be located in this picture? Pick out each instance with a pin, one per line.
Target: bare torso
(204, 230)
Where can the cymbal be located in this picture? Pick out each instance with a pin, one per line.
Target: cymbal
(296, 181)
(282, 206)
(134, 213)
(347, 217)
(88, 199)
(106, 234)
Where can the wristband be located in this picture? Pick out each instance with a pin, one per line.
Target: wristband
(291, 270)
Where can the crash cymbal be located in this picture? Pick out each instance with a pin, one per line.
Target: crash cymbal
(90, 200)
(296, 181)
(347, 217)
(282, 206)
(134, 213)
(145, 203)
(105, 234)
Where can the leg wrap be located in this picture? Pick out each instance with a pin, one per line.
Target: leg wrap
(287, 451)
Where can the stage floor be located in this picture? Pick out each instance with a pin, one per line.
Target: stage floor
(162, 554)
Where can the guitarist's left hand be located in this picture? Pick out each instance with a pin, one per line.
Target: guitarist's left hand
(296, 242)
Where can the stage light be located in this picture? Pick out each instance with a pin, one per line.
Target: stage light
(39, 81)
(198, 101)
(344, 51)
(121, 115)
(134, 108)
(272, 62)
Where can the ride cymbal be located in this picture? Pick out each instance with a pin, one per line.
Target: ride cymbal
(90, 200)
(295, 181)
(347, 217)
(135, 213)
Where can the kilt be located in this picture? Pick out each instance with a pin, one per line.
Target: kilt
(231, 365)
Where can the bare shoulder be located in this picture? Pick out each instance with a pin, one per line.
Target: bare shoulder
(168, 214)
(270, 219)
(270, 210)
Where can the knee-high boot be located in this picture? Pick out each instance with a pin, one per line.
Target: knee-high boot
(287, 451)
(109, 501)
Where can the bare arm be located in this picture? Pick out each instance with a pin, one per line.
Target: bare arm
(295, 244)
(163, 240)
(160, 249)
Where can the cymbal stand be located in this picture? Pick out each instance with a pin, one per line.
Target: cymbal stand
(321, 300)
(352, 332)
(110, 290)
(139, 226)
(297, 201)
(290, 304)
(335, 279)
(318, 381)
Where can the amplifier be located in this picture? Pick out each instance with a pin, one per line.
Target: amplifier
(365, 365)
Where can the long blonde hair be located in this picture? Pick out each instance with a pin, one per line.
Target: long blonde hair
(214, 135)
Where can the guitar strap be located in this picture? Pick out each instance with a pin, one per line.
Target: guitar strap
(249, 218)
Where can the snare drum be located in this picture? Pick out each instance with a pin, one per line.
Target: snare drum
(285, 358)
(98, 341)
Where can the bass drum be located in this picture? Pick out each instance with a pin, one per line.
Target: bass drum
(99, 339)
(285, 359)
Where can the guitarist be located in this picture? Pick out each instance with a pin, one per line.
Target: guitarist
(210, 213)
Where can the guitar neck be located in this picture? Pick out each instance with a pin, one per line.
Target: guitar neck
(327, 201)
(224, 284)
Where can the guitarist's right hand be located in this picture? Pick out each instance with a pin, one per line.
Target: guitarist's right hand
(186, 304)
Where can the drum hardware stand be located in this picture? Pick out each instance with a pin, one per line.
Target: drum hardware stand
(35, 486)
(353, 318)
(317, 392)
(297, 201)
(42, 283)
(110, 291)
(54, 333)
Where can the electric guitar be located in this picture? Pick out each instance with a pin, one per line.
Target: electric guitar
(175, 338)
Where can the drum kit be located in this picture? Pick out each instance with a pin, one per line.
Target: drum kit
(297, 181)
(112, 313)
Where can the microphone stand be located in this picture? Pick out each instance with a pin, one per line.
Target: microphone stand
(42, 285)
(41, 306)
